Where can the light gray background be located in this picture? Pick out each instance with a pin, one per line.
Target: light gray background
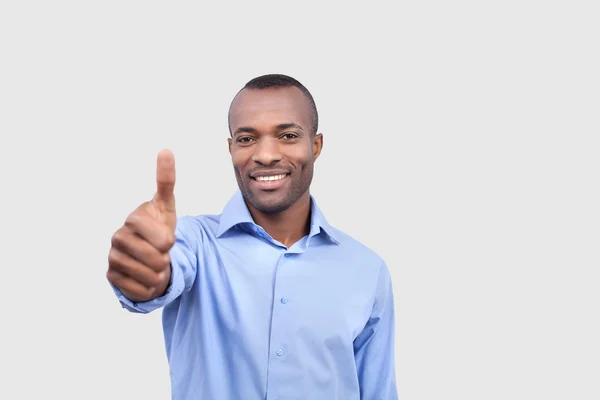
(460, 143)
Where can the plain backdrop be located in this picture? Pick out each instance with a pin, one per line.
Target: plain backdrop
(461, 143)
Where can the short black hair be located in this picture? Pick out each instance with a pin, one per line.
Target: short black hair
(280, 80)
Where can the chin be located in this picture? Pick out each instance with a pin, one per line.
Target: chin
(268, 204)
(272, 202)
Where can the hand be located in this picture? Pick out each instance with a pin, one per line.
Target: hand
(139, 264)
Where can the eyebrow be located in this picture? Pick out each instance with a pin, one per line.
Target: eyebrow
(244, 129)
(280, 127)
(289, 125)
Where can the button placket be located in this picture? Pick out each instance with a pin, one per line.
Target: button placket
(279, 323)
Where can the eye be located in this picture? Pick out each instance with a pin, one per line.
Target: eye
(245, 139)
(289, 136)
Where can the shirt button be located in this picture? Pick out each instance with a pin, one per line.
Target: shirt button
(280, 352)
(283, 300)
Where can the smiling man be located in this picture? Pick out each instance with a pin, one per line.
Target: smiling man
(266, 300)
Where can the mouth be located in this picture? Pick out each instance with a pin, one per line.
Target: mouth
(269, 182)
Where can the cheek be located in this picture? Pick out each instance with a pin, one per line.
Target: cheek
(239, 159)
(300, 155)
(303, 158)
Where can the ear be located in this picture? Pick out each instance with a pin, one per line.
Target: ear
(317, 144)
(229, 142)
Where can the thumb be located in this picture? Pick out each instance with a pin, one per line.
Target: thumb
(165, 180)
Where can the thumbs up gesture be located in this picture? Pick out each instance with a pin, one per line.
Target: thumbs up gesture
(139, 264)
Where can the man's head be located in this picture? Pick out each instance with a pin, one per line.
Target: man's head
(273, 123)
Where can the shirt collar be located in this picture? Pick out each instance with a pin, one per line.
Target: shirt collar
(236, 212)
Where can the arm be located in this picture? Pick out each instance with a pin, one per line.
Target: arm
(374, 346)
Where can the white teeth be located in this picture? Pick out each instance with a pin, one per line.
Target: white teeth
(270, 178)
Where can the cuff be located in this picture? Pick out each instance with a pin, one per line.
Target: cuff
(173, 291)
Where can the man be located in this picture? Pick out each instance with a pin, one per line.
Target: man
(266, 300)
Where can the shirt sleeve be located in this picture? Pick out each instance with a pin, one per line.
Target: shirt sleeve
(183, 272)
(374, 346)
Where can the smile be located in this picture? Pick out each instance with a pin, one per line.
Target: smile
(270, 178)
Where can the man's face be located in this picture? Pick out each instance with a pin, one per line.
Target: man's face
(271, 147)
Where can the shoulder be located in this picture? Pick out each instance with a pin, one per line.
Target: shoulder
(201, 227)
(194, 222)
(363, 263)
(354, 249)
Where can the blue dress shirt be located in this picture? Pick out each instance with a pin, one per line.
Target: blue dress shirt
(246, 318)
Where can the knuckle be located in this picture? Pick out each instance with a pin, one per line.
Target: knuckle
(160, 262)
(149, 292)
(166, 242)
(165, 276)
(166, 260)
(116, 238)
(132, 219)
(112, 276)
(155, 280)
(170, 240)
(113, 257)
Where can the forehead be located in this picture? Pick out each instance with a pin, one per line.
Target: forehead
(268, 107)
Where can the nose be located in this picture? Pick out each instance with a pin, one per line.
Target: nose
(267, 152)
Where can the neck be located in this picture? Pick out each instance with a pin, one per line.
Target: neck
(288, 226)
